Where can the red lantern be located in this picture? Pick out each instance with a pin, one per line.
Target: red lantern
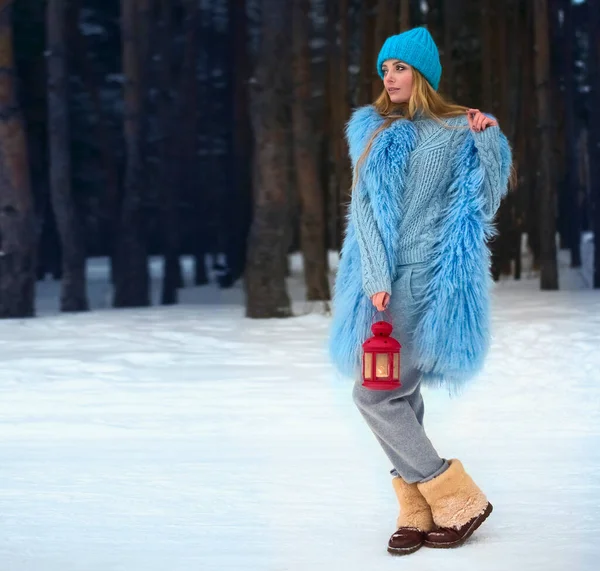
(381, 359)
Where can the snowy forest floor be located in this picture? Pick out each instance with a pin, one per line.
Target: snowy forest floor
(191, 438)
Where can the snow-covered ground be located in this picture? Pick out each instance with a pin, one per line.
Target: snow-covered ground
(191, 438)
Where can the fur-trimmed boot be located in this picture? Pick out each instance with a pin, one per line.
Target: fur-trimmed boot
(414, 520)
(458, 506)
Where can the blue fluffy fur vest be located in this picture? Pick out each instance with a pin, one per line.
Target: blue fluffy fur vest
(452, 335)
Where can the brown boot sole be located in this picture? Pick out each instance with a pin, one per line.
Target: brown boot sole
(404, 550)
(476, 523)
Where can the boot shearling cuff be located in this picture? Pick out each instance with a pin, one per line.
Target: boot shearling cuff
(453, 496)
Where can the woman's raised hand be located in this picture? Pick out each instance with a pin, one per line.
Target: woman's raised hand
(478, 121)
(380, 300)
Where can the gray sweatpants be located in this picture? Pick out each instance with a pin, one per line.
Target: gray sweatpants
(396, 417)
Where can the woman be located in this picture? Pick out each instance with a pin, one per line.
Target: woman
(428, 179)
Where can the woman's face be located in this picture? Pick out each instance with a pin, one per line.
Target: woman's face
(397, 80)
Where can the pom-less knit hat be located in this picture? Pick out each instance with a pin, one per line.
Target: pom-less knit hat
(416, 48)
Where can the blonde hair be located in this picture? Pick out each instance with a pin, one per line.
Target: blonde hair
(424, 101)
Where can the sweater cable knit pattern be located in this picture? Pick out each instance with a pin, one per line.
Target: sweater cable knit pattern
(421, 203)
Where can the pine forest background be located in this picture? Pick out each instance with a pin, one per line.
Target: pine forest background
(214, 129)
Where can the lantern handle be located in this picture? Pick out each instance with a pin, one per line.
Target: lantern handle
(385, 312)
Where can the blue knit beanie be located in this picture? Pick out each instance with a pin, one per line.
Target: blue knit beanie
(417, 48)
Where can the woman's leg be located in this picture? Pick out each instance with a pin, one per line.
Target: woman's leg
(415, 400)
(458, 507)
(396, 417)
(393, 421)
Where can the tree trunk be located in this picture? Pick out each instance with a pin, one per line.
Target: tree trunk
(516, 24)
(73, 293)
(495, 90)
(448, 36)
(368, 73)
(487, 67)
(557, 46)
(331, 121)
(488, 74)
(17, 232)
(594, 130)
(197, 105)
(338, 114)
(214, 234)
(189, 121)
(549, 270)
(572, 209)
(509, 234)
(169, 189)
(467, 56)
(310, 193)
(110, 199)
(381, 16)
(132, 280)
(240, 177)
(434, 21)
(518, 129)
(343, 167)
(387, 21)
(265, 272)
(501, 102)
(404, 15)
(528, 139)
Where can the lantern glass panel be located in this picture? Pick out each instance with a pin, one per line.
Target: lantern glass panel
(382, 365)
(368, 365)
(396, 374)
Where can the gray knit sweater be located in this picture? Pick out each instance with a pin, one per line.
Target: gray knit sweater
(428, 178)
